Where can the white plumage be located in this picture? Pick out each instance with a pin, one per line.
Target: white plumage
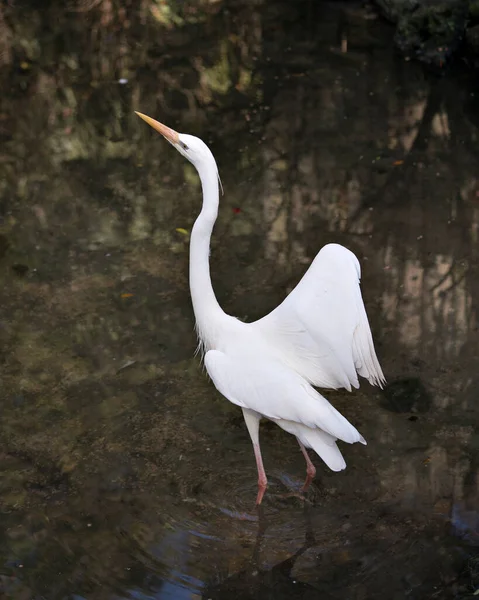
(318, 336)
(322, 326)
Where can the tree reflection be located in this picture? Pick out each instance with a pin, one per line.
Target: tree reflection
(111, 439)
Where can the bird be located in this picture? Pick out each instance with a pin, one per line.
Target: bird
(318, 337)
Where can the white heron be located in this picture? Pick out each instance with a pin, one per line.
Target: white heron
(318, 336)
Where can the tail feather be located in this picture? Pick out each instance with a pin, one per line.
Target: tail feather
(321, 442)
(325, 447)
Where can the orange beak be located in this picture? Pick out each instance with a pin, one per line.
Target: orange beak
(170, 134)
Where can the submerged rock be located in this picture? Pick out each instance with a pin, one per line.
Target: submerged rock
(406, 395)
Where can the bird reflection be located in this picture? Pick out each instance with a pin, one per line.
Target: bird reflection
(276, 582)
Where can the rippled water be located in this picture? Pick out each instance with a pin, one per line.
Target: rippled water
(123, 473)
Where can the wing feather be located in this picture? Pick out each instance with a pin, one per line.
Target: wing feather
(321, 329)
(271, 389)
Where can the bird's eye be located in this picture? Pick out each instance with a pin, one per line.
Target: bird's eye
(183, 146)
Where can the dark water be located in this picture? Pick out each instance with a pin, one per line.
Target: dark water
(123, 473)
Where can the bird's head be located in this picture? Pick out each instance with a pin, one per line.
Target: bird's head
(191, 147)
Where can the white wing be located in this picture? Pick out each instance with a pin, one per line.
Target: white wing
(271, 389)
(321, 329)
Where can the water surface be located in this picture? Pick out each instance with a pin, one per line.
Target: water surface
(123, 473)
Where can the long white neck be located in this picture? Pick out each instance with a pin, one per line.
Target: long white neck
(208, 312)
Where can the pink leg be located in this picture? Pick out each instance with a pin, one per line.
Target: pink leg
(310, 468)
(262, 480)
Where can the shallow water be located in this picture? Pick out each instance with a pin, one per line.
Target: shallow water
(123, 473)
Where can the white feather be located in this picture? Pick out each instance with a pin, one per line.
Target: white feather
(321, 328)
(276, 392)
(319, 335)
(321, 442)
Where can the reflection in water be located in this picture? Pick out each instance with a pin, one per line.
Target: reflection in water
(276, 581)
(123, 474)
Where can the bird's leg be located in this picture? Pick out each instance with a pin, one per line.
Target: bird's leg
(252, 419)
(310, 468)
(262, 480)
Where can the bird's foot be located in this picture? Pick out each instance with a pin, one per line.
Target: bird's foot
(309, 479)
(295, 490)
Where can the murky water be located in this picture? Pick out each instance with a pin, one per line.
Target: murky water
(123, 473)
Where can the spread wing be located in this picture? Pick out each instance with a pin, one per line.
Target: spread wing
(321, 329)
(271, 389)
